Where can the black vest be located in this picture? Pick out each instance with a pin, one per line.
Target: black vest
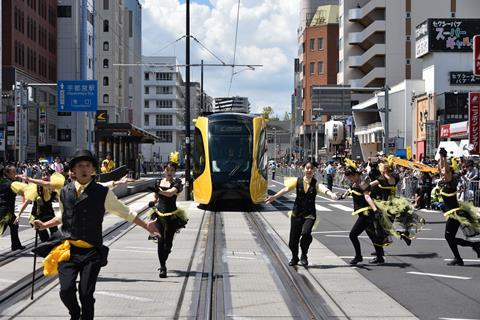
(82, 218)
(7, 197)
(43, 209)
(305, 201)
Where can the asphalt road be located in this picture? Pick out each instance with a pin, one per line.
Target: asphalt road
(416, 276)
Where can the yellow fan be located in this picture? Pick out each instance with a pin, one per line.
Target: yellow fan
(390, 161)
(454, 164)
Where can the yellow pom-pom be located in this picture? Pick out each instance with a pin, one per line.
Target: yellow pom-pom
(31, 192)
(174, 157)
(18, 187)
(57, 181)
(350, 163)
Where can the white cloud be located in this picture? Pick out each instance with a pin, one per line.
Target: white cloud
(267, 35)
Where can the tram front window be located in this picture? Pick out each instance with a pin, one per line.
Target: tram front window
(230, 148)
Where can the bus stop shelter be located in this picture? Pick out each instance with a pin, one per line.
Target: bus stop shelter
(122, 141)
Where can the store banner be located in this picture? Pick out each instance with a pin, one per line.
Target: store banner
(474, 121)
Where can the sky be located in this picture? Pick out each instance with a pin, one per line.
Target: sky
(267, 35)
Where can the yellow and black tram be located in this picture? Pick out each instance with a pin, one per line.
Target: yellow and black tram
(230, 159)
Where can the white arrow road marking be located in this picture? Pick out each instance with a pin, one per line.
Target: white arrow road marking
(123, 296)
(439, 275)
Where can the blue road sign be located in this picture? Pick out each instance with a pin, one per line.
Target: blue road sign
(77, 95)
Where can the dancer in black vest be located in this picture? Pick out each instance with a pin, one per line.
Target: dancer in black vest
(365, 209)
(304, 214)
(457, 214)
(82, 207)
(43, 198)
(168, 216)
(7, 206)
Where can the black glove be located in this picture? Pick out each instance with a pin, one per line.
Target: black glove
(377, 214)
(442, 152)
(151, 204)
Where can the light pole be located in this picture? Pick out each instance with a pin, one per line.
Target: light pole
(187, 104)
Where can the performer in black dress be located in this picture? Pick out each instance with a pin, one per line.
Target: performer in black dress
(169, 218)
(458, 215)
(366, 212)
(303, 215)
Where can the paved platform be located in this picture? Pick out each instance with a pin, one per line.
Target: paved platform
(129, 286)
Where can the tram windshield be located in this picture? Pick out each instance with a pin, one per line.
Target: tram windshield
(230, 146)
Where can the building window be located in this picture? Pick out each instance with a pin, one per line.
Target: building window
(147, 104)
(105, 63)
(312, 67)
(106, 99)
(147, 90)
(320, 67)
(312, 44)
(64, 134)
(105, 4)
(164, 104)
(105, 81)
(163, 76)
(105, 46)
(147, 76)
(146, 120)
(105, 25)
(165, 136)
(320, 43)
(163, 120)
(164, 90)
(64, 11)
(89, 63)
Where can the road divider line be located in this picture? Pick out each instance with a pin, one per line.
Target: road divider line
(241, 258)
(465, 260)
(438, 275)
(123, 296)
(327, 232)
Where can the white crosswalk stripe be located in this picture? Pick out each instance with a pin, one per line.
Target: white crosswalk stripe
(341, 207)
(321, 208)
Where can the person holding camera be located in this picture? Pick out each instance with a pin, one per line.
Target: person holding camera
(168, 217)
(458, 215)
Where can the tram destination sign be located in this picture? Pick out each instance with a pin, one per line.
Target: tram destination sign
(77, 95)
(464, 78)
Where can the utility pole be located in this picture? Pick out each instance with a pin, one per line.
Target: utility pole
(187, 104)
(201, 88)
(386, 90)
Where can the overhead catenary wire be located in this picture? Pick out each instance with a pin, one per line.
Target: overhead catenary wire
(234, 48)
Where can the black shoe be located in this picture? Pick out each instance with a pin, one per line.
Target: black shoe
(377, 260)
(163, 272)
(356, 260)
(455, 262)
(476, 248)
(304, 260)
(20, 247)
(405, 238)
(293, 262)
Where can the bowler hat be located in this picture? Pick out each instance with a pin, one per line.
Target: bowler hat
(83, 155)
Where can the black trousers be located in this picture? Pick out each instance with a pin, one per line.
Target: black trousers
(300, 232)
(85, 262)
(15, 240)
(451, 228)
(164, 246)
(364, 223)
(330, 182)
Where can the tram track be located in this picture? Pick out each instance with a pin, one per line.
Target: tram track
(19, 290)
(7, 256)
(299, 289)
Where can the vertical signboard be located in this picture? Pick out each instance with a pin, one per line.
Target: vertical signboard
(42, 126)
(474, 121)
(476, 55)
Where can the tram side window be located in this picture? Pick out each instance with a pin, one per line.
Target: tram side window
(262, 154)
(198, 154)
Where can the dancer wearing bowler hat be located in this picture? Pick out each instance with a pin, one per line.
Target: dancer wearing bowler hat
(83, 203)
